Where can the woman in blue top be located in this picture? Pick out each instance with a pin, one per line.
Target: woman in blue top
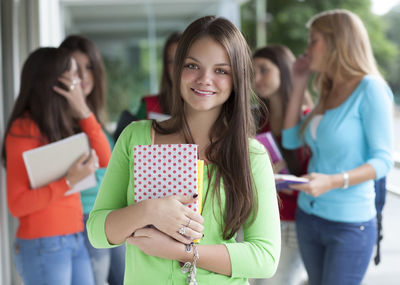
(349, 133)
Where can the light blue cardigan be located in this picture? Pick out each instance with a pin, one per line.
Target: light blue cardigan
(358, 131)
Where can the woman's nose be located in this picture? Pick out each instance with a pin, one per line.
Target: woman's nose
(204, 78)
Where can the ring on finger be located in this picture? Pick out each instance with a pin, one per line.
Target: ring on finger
(182, 230)
(189, 222)
(71, 87)
(75, 81)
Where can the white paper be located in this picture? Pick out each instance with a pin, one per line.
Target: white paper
(159, 117)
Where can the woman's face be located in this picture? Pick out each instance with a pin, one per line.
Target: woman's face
(85, 71)
(171, 59)
(267, 79)
(206, 80)
(316, 50)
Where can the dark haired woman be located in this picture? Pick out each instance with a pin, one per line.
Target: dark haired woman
(49, 247)
(273, 85)
(162, 102)
(155, 106)
(210, 108)
(105, 262)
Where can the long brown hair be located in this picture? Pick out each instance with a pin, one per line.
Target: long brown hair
(37, 100)
(349, 51)
(165, 93)
(283, 58)
(96, 98)
(229, 147)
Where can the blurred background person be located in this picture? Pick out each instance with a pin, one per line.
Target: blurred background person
(49, 247)
(107, 264)
(159, 104)
(273, 85)
(349, 133)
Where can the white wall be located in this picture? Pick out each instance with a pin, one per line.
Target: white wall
(24, 26)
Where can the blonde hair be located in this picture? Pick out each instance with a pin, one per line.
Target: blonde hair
(349, 52)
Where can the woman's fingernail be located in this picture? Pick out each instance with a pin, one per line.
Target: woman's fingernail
(195, 195)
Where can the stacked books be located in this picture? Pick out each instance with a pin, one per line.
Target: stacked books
(282, 181)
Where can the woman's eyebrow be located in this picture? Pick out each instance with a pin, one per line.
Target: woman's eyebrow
(218, 64)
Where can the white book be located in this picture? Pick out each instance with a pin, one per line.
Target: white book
(158, 116)
(51, 162)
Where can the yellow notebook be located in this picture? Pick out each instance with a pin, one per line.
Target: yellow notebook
(200, 171)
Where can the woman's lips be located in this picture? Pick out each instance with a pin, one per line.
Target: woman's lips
(203, 92)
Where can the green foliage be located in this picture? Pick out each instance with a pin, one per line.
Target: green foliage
(392, 21)
(128, 80)
(248, 25)
(126, 86)
(287, 25)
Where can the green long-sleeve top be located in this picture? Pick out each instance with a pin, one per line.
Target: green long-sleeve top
(256, 256)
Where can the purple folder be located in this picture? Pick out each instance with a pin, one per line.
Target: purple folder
(268, 141)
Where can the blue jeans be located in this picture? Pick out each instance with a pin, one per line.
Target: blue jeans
(108, 264)
(335, 252)
(61, 260)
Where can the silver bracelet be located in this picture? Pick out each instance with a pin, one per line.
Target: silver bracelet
(190, 267)
(345, 180)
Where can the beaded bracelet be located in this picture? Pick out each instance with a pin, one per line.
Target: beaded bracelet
(191, 267)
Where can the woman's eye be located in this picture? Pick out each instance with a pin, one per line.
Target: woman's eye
(264, 70)
(191, 66)
(221, 71)
(89, 67)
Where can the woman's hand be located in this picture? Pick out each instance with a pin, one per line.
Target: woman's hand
(318, 185)
(83, 167)
(301, 71)
(278, 166)
(172, 217)
(74, 94)
(156, 243)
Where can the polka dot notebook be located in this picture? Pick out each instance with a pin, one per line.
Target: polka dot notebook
(167, 169)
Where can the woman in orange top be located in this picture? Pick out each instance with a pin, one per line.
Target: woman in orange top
(49, 247)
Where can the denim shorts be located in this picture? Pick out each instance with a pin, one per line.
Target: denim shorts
(335, 252)
(61, 260)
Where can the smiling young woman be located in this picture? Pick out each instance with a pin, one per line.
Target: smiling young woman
(211, 108)
(206, 77)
